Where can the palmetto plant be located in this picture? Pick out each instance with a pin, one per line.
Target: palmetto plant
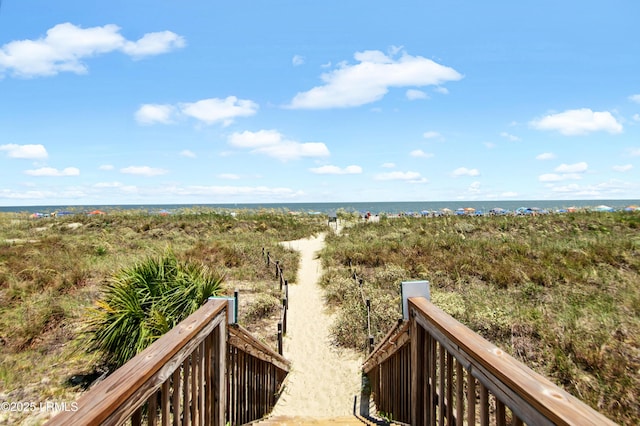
(143, 302)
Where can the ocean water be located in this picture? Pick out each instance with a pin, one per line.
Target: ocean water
(388, 207)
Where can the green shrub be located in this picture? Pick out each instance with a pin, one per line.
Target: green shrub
(143, 302)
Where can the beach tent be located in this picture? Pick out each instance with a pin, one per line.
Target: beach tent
(96, 212)
(446, 211)
(631, 208)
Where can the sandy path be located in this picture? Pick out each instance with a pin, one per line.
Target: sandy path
(323, 380)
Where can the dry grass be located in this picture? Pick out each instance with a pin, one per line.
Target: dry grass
(558, 292)
(52, 269)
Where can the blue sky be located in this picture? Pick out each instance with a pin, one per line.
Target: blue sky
(139, 102)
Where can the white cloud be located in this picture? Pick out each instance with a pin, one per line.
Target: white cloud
(414, 94)
(51, 172)
(65, 46)
(273, 144)
(418, 153)
(636, 117)
(297, 60)
(229, 176)
(257, 139)
(623, 168)
(335, 170)
(29, 152)
(474, 187)
(490, 145)
(388, 165)
(634, 152)
(635, 98)
(431, 135)
(409, 177)
(154, 44)
(441, 90)
(572, 168)
(549, 177)
(143, 171)
(579, 122)
(463, 171)
(154, 113)
(509, 136)
(565, 172)
(106, 167)
(209, 111)
(509, 194)
(187, 153)
(108, 185)
(215, 110)
(226, 191)
(546, 156)
(370, 79)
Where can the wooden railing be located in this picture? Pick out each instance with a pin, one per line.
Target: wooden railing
(255, 375)
(366, 303)
(433, 370)
(202, 372)
(284, 288)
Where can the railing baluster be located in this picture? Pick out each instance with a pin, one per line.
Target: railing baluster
(471, 399)
(459, 393)
(165, 403)
(152, 410)
(449, 395)
(484, 405)
(175, 396)
(441, 391)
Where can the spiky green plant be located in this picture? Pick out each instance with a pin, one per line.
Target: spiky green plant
(143, 302)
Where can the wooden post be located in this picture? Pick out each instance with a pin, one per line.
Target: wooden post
(281, 277)
(280, 337)
(277, 268)
(220, 371)
(286, 292)
(417, 372)
(284, 315)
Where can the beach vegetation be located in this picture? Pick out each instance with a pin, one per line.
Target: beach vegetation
(146, 300)
(558, 292)
(54, 269)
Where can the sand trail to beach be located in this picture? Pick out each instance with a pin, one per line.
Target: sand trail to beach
(323, 380)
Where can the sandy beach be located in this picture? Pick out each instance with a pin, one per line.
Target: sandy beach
(324, 380)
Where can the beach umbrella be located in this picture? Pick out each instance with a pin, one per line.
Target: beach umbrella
(96, 212)
(603, 208)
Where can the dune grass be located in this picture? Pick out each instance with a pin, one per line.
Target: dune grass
(559, 292)
(52, 270)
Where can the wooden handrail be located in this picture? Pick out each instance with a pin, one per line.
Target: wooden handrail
(255, 377)
(451, 374)
(240, 338)
(498, 370)
(124, 392)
